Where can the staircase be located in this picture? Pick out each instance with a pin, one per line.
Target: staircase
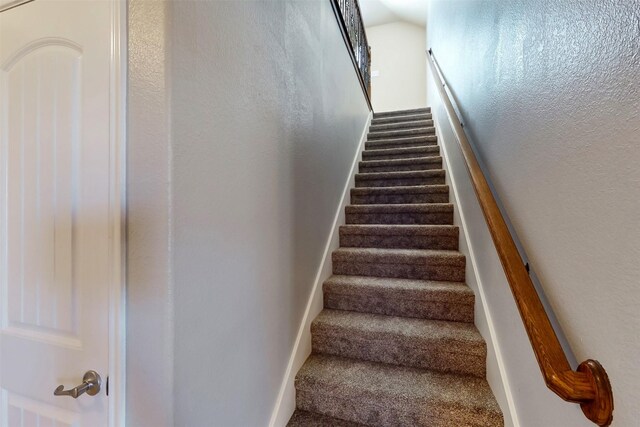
(395, 344)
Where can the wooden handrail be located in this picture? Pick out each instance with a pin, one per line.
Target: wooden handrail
(589, 385)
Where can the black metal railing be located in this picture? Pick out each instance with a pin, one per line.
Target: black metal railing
(350, 20)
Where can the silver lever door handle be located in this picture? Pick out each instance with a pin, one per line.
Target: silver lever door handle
(90, 384)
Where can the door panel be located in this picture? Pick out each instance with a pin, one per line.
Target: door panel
(26, 412)
(43, 96)
(54, 221)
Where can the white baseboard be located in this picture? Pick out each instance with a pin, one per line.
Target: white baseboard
(286, 401)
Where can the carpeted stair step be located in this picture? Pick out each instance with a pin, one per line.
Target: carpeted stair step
(378, 394)
(424, 264)
(402, 133)
(312, 419)
(401, 153)
(400, 195)
(396, 343)
(404, 118)
(414, 141)
(401, 125)
(452, 347)
(399, 236)
(400, 165)
(428, 213)
(394, 179)
(398, 113)
(400, 297)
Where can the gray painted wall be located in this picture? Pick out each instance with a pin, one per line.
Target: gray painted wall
(149, 361)
(550, 94)
(244, 118)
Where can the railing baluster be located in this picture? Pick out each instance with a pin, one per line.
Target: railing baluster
(357, 39)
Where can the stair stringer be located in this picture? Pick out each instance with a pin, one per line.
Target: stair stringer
(285, 403)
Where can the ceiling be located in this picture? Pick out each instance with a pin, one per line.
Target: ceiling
(378, 12)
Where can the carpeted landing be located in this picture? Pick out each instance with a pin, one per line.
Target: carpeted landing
(395, 344)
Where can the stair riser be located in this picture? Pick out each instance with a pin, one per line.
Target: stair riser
(432, 151)
(400, 218)
(400, 119)
(364, 168)
(437, 355)
(423, 271)
(405, 133)
(391, 199)
(399, 242)
(388, 304)
(401, 125)
(398, 182)
(412, 112)
(389, 411)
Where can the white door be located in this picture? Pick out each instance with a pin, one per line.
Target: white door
(55, 272)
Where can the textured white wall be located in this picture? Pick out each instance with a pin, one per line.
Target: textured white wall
(512, 369)
(149, 284)
(398, 54)
(267, 113)
(550, 93)
(243, 120)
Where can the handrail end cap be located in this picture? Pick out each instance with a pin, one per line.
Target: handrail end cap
(600, 409)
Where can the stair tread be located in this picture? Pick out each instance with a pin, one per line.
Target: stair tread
(409, 124)
(401, 189)
(422, 193)
(379, 152)
(440, 345)
(400, 229)
(312, 419)
(416, 129)
(400, 208)
(401, 149)
(399, 256)
(400, 236)
(399, 141)
(399, 213)
(410, 164)
(423, 299)
(400, 174)
(406, 161)
(400, 132)
(406, 117)
(417, 290)
(391, 113)
(406, 120)
(421, 332)
(417, 394)
(423, 176)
